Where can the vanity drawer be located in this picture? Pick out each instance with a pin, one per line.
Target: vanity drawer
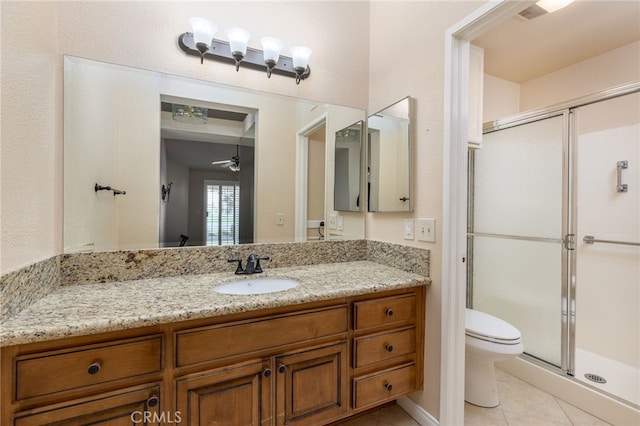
(57, 371)
(383, 346)
(384, 311)
(244, 337)
(386, 386)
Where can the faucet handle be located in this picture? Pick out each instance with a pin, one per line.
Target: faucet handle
(239, 269)
(258, 268)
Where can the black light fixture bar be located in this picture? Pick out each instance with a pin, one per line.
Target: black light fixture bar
(254, 58)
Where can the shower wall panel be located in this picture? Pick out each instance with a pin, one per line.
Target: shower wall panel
(608, 275)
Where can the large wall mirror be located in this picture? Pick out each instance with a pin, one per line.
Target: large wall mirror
(389, 158)
(199, 163)
(348, 155)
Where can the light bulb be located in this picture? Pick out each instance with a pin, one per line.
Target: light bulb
(238, 40)
(271, 47)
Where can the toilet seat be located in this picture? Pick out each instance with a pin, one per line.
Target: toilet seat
(482, 326)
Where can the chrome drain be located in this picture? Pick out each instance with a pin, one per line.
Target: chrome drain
(595, 378)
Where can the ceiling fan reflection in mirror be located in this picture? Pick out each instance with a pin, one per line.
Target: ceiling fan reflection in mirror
(232, 163)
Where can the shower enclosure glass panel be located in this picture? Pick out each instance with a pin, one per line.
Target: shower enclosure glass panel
(607, 274)
(516, 232)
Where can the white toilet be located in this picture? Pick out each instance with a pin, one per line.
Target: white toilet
(487, 339)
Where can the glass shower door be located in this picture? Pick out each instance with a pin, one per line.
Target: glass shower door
(517, 222)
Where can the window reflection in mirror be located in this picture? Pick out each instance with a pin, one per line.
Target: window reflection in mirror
(389, 158)
(208, 159)
(348, 149)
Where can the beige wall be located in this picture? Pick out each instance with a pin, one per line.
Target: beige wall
(31, 134)
(601, 72)
(613, 68)
(407, 58)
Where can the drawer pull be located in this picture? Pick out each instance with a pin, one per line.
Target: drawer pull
(153, 401)
(267, 372)
(389, 312)
(388, 348)
(282, 369)
(94, 368)
(388, 387)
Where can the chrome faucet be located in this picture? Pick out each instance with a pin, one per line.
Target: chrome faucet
(253, 264)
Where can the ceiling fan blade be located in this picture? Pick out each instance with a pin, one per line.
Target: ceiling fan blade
(224, 162)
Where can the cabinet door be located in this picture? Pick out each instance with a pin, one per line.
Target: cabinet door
(235, 396)
(121, 409)
(312, 386)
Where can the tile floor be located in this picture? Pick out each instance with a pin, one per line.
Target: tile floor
(520, 405)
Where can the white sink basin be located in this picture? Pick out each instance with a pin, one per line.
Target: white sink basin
(256, 286)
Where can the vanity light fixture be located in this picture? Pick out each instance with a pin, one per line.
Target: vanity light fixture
(552, 5)
(235, 51)
(542, 7)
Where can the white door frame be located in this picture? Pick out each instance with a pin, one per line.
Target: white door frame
(302, 173)
(454, 195)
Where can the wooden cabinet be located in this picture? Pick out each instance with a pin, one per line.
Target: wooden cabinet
(242, 338)
(237, 395)
(382, 347)
(305, 365)
(385, 311)
(312, 386)
(127, 407)
(87, 366)
(387, 348)
(380, 387)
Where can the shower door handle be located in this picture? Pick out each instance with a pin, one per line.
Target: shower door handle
(620, 166)
(569, 241)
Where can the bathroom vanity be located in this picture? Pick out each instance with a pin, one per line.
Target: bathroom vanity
(350, 337)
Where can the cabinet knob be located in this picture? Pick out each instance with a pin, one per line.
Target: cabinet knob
(388, 387)
(389, 312)
(94, 368)
(267, 372)
(153, 401)
(282, 369)
(388, 348)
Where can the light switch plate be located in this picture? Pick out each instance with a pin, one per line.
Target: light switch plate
(280, 219)
(340, 222)
(408, 229)
(426, 230)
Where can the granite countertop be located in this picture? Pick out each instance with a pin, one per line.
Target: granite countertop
(78, 310)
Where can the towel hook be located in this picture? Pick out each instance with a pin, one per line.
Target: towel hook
(99, 187)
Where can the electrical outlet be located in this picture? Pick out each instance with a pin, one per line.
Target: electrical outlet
(426, 230)
(332, 221)
(280, 219)
(408, 229)
(340, 222)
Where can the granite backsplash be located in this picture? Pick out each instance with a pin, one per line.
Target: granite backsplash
(21, 288)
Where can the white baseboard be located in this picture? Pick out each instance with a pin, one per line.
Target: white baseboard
(418, 413)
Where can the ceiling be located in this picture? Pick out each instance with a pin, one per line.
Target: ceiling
(520, 50)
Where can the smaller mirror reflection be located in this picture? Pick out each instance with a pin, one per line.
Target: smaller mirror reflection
(389, 158)
(347, 168)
